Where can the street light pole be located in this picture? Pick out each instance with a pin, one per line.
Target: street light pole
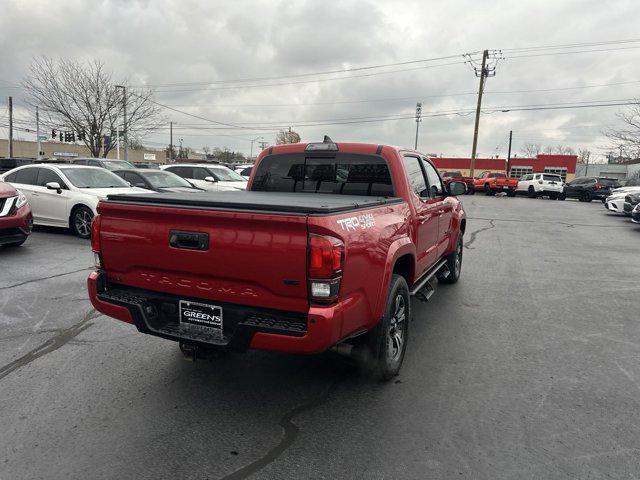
(125, 128)
(39, 157)
(418, 120)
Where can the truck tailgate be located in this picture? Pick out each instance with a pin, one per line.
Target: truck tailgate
(251, 258)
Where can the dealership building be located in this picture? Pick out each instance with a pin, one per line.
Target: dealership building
(563, 165)
(69, 151)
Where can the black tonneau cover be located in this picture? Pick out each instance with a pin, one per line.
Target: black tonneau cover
(280, 202)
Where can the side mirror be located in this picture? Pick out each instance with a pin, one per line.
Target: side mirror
(457, 188)
(54, 186)
(210, 179)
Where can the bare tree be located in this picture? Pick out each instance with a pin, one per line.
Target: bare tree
(287, 136)
(83, 98)
(531, 150)
(584, 155)
(627, 138)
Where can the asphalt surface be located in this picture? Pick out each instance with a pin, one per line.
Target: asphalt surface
(529, 367)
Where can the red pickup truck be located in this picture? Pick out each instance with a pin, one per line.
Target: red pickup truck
(324, 249)
(456, 176)
(494, 182)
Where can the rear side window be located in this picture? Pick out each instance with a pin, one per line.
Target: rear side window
(551, 178)
(27, 176)
(346, 174)
(11, 178)
(497, 175)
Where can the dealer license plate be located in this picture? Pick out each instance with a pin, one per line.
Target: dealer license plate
(201, 316)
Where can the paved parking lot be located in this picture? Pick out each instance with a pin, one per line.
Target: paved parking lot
(529, 367)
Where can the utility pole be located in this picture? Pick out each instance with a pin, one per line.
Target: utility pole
(483, 74)
(509, 152)
(118, 142)
(170, 142)
(10, 127)
(39, 157)
(418, 120)
(125, 128)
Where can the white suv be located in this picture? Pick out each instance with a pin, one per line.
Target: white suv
(540, 185)
(66, 195)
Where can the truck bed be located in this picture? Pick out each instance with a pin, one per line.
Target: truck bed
(272, 202)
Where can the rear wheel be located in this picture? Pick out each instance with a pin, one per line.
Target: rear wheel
(531, 192)
(511, 192)
(487, 189)
(553, 196)
(386, 344)
(561, 196)
(81, 221)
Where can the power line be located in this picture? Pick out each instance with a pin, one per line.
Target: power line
(233, 87)
(310, 74)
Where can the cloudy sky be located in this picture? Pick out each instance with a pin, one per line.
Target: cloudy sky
(211, 58)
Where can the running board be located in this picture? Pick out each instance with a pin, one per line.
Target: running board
(425, 279)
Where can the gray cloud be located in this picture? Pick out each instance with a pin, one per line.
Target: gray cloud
(171, 41)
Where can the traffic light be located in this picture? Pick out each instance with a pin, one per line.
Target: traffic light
(53, 133)
(61, 137)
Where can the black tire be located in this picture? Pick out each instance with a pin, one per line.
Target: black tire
(472, 191)
(511, 193)
(454, 262)
(487, 190)
(562, 196)
(531, 192)
(586, 197)
(387, 342)
(80, 221)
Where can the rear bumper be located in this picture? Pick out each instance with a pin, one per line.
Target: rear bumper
(17, 227)
(156, 314)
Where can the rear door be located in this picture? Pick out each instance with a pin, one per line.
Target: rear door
(427, 214)
(25, 180)
(249, 258)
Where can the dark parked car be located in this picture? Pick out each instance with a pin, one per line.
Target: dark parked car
(153, 166)
(156, 180)
(586, 189)
(104, 163)
(7, 164)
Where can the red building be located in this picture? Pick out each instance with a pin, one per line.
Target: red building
(564, 165)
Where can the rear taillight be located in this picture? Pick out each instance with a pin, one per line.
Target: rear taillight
(326, 258)
(599, 186)
(95, 240)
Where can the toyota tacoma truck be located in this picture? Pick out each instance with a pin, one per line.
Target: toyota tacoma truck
(324, 249)
(494, 182)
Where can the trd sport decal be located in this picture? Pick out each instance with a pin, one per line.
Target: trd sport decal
(353, 223)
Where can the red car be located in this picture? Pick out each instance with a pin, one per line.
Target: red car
(494, 182)
(325, 248)
(456, 176)
(16, 219)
